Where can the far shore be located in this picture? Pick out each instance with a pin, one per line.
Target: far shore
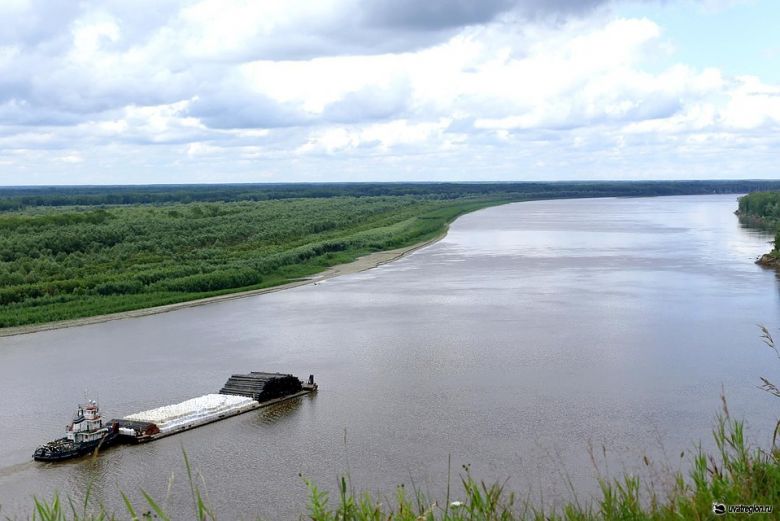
(366, 262)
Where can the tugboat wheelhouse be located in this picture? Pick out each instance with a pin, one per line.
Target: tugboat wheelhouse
(82, 436)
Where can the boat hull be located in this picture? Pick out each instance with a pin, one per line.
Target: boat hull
(63, 448)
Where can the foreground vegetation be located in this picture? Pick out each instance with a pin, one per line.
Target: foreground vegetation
(735, 475)
(762, 210)
(82, 251)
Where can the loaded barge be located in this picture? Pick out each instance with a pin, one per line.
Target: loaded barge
(240, 394)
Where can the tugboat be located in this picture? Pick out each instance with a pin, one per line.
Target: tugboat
(85, 434)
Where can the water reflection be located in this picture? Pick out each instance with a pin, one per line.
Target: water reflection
(283, 410)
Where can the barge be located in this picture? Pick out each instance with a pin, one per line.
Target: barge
(240, 394)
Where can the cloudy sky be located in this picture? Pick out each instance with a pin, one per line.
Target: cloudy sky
(159, 91)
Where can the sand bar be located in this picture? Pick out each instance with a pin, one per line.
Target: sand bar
(366, 262)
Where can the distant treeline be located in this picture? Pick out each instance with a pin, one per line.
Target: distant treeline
(69, 252)
(18, 198)
(762, 209)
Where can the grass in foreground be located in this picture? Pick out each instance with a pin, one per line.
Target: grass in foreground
(735, 474)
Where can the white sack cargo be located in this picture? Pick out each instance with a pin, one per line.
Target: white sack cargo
(196, 411)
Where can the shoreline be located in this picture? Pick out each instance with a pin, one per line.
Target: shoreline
(364, 263)
(768, 260)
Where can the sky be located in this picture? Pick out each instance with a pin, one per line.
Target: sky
(211, 91)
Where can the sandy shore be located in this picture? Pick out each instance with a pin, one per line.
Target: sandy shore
(364, 263)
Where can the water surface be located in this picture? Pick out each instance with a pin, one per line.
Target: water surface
(532, 332)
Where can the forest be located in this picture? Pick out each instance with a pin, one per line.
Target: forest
(762, 210)
(18, 198)
(70, 252)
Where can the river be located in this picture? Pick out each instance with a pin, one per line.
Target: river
(530, 333)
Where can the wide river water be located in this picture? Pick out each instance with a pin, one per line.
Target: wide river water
(529, 334)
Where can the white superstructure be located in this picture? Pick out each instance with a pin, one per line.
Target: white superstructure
(87, 424)
(194, 412)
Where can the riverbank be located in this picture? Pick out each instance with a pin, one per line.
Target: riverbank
(77, 252)
(363, 263)
(769, 260)
(69, 264)
(762, 210)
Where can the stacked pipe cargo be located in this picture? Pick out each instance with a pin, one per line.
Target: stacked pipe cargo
(262, 386)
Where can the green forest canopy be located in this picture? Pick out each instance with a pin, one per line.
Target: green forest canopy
(762, 209)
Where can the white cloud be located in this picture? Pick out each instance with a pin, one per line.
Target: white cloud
(72, 158)
(347, 90)
(89, 38)
(752, 104)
